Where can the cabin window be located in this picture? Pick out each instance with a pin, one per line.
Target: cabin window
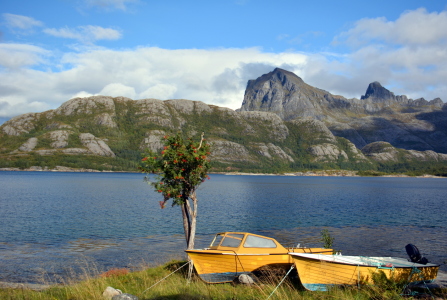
(258, 242)
(216, 240)
(233, 240)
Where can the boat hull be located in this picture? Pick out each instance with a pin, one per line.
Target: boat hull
(221, 267)
(215, 266)
(318, 273)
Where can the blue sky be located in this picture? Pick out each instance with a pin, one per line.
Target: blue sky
(54, 50)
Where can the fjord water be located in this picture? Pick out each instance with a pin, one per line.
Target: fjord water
(56, 225)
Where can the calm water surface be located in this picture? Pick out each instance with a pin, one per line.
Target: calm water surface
(56, 225)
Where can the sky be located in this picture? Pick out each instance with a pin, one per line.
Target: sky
(54, 50)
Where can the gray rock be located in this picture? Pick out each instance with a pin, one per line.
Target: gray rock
(60, 138)
(227, 151)
(425, 155)
(246, 279)
(151, 107)
(153, 141)
(381, 151)
(164, 121)
(278, 131)
(317, 129)
(270, 150)
(87, 105)
(20, 124)
(110, 292)
(29, 145)
(327, 152)
(125, 296)
(95, 145)
(9, 130)
(188, 106)
(357, 154)
(105, 119)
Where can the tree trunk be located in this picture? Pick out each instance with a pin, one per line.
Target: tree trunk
(186, 222)
(193, 218)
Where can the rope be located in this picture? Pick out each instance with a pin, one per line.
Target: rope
(415, 270)
(291, 268)
(163, 279)
(237, 258)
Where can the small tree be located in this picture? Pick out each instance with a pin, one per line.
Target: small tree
(181, 167)
(326, 238)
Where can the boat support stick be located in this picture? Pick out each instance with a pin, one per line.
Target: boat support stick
(163, 279)
(291, 268)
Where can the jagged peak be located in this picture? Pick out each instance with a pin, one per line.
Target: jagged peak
(284, 74)
(376, 90)
(277, 74)
(282, 71)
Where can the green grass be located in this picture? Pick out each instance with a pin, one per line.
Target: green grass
(177, 286)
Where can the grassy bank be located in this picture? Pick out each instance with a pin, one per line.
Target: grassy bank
(177, 286)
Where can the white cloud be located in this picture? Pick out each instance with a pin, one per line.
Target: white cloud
(19, 55)
(159, 91)
(118, 89)
(81, 94)
(22, 23)
(110, 4)
(85, 34)
(417, 27)
(217, 76)
(409, 55)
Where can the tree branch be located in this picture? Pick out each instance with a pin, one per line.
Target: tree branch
(201, 140)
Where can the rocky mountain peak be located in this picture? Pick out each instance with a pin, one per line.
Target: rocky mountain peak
(283, 93)
(278, 76)
(284, 76)
(378, 93)
(379, 115)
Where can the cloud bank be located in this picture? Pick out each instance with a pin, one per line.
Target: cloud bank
(408, 56)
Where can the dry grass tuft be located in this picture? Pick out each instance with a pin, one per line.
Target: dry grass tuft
(114, 272)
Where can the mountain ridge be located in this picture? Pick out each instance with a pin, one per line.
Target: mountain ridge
(378, 116)
(109, 133)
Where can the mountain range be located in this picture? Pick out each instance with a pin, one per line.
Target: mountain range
(378, 116)
(283, 125)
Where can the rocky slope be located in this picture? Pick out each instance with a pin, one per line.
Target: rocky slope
(378, 116)
(115, 127)
(284, 125)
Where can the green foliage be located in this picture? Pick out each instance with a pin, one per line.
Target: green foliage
(74, 141)
(44, 142)
(182, 167)
(8, 144)
(371, 173)
(414, 168)
(327, 239)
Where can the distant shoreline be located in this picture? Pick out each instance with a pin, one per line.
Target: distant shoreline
(323, 173)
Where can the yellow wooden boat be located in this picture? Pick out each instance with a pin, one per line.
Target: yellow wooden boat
(232, 254)
(319, 272)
